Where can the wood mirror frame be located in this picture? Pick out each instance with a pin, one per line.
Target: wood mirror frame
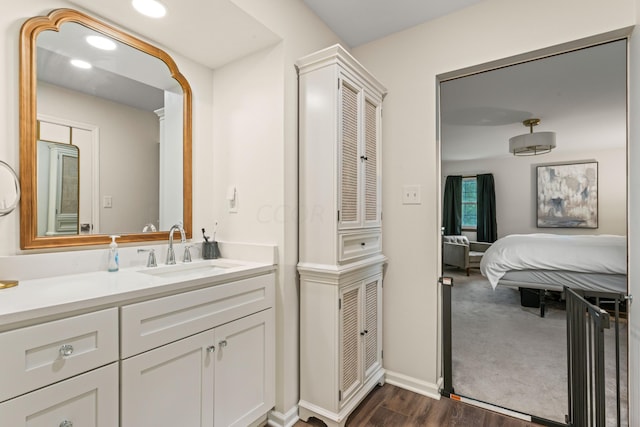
(29, 238)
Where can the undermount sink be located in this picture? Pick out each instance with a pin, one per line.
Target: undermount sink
(192, 269)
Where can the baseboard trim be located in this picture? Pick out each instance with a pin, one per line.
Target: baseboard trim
(278, 419)
(413, 384)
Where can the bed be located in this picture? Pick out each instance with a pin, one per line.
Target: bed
(548, 262)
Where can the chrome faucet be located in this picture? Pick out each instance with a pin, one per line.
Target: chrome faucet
(171, 255)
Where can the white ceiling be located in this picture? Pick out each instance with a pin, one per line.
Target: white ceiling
(580, 95)
(211, 32)
(361, 21)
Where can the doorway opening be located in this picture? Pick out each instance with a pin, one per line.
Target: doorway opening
(508, 334)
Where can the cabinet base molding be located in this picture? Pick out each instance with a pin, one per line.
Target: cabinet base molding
(307, 410)
(415, 385)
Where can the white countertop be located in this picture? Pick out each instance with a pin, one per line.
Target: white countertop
(42, 298)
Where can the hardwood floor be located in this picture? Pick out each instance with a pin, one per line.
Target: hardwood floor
(391, 406)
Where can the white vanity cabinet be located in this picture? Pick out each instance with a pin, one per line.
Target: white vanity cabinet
(201, 358)
(190, 352)
(340, 239)
(54, 373)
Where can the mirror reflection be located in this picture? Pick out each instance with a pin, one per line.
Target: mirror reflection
(106, 135)
(124, 105)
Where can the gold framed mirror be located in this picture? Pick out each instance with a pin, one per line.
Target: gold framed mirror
(127, 113)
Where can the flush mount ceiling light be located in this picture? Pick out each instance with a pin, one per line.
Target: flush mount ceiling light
(100, 42)
(532, 144)
(151, 8)
(80, 64)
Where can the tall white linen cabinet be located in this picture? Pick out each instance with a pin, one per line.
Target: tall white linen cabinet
(340, 232)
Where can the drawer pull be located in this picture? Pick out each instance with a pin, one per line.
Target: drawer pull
(222, 343)
(66, 351)
(211, 348)
(66, 423)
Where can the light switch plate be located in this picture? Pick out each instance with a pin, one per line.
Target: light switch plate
(411, 195)
(107, 202)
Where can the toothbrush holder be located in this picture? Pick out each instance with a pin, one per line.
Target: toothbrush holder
(210, 250)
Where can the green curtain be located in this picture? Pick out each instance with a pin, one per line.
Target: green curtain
(487, 227)
(452, 206)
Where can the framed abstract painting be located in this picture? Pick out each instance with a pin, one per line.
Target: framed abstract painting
(567, 195)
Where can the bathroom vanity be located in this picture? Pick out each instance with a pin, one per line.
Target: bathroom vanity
(188, 344)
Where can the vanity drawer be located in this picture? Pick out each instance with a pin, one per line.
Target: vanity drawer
(39, 355)
(89, 399)
(150, 324)
(356, 245)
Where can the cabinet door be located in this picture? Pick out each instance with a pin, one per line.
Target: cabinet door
(373, 326)
(372, 205)
(87, 400)
(171, 385)
(350, 163)
(359, 157)
(245, 369)
(350, 341)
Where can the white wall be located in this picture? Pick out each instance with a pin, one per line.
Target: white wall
(515, 180)
(408, 63)
(256, 145)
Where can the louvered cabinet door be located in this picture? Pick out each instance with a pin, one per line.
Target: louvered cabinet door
(371, 163)
(372, 326)
(350, 341)
(349, 129)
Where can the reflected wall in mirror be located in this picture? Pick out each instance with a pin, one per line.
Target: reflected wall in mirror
(124, 109)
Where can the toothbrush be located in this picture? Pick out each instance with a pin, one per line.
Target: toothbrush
(215, 228)
(206, 239)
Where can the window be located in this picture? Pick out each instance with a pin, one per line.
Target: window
(469, 203)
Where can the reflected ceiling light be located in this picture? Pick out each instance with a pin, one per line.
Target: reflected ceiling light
(532, 144)
(80, 64)
(100, 42)
(151, 8)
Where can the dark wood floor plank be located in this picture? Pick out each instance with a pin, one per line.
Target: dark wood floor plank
(403, 401)
(382, 417)
(391, 406)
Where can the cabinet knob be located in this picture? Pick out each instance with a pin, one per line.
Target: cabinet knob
(211, 348)
(66, 351)
(362, 333)
(363, 158)
(66, 423)
(362, 244)
(222, 343)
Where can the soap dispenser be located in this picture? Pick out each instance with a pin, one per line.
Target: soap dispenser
(113, 255)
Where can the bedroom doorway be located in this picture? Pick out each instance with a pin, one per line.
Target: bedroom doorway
(503, 353)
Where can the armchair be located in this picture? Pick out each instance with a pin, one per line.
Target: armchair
(458, 251)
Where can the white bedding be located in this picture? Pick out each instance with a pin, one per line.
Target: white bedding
(588, 254)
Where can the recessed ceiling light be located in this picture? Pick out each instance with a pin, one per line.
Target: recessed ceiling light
(80, 64)
(150, 8)
(101, 42)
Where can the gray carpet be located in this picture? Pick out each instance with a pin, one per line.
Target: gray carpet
(507, 355)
